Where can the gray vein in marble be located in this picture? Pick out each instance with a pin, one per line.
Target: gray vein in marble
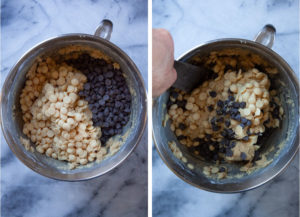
(179, 9)
(86, 206)
(167, 203)
(159, 7)
(23, 15)
(228, 211)
(243, 204)
(274, 4)
(24, 196)
(287, 33)
(9, 158)
(136, 46)
(141, 12)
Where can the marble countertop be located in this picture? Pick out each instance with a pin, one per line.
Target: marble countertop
(192, 23)
(122, 192)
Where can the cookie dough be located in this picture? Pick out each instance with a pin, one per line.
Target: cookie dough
(225, 116)
(73, 105)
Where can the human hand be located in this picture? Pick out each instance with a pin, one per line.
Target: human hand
(163, 72)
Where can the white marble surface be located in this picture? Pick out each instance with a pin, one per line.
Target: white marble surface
(195, 22)
(123, 192)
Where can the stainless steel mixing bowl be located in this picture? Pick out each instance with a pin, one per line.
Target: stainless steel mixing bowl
(11, 117)
(287, 134)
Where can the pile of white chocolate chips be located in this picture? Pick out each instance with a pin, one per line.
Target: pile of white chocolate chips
(56, 119)
(224, 117)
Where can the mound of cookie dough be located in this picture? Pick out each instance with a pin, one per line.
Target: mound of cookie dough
(224, 118)
(71, 108)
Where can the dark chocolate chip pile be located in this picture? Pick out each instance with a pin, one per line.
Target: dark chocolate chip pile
(226, 110)
(204, 150)
(180, 103)
(107, 93)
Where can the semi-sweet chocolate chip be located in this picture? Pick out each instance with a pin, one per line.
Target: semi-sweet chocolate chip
(107, 93)
(213, 94)
(182, 126)
(210, 108)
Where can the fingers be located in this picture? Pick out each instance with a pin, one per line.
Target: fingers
(159, 86)
(163, 72)
(163, 36)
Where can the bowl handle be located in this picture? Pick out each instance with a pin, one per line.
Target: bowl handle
(104, 29)
(266, 36)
